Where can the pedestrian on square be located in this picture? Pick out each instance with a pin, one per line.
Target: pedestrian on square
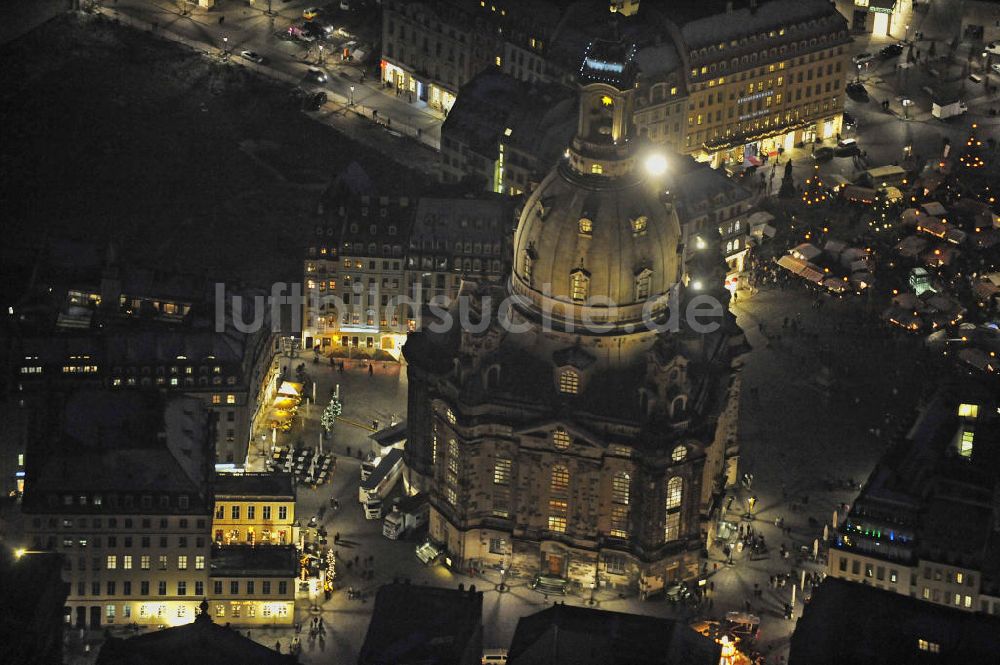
(356, 559)
(371, 370)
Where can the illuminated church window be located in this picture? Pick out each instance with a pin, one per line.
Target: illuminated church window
(569, 382)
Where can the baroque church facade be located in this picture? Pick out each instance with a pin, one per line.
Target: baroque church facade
(571, 422)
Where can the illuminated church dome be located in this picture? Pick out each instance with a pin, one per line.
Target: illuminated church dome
(596, 233)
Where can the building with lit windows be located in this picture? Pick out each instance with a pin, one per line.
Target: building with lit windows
(851, 623)
(732, 82)
(503, 134)
(729, 83)
(354, 271)
(881, 18)
(253, 586)
(119, 487)
(430, 49)
(127, 329)
(254, 509)
(925, 522)
(201, 641)
(455, 240)
(593, 455)
(712, 208)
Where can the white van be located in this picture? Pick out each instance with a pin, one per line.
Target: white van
(494, 656)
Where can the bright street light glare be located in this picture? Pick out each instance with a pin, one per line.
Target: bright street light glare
(19, 552)
(656, 164)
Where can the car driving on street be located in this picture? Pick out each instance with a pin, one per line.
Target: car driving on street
(252, 56)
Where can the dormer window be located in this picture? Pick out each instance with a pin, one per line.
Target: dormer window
(586, 227)
(560, 439)
(579, 285)
(596, 169)
(639, 225)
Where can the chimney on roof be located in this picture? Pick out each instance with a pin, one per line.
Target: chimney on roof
(729, 7)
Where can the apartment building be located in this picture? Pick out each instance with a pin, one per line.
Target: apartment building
(376, 260)
(503, 133)
(132, 329)
(254, 509)
(430, 49)
(926, 523)
(253, 586)
(119, 488)
(355, 275)
(758, 80)
(712, 207)
(457, 239)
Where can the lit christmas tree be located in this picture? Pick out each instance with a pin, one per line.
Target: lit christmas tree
(888, 206)
(330, 414)
(813, 191)
(972, 152)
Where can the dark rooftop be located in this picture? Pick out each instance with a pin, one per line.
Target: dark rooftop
(854, 623)
(270, 485)
(564, 634)
(201, 641)
(249, 561)
(427, 625)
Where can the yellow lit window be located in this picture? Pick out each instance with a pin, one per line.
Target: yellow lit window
(498, 61)
(699, 118)
(560, 480)
(673, 90)
(569, 382)
(965, 445)
(675, 492)
(968, 410)
(557, 524)
(704, 70)
(620, 487)
(501, 471)
(596, 168)
(586, 226)
(560, 439)
(450, 415)
(579, 286)
(230, 399)
(639, 225)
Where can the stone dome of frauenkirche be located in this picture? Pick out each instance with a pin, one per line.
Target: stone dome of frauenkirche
(595, 241)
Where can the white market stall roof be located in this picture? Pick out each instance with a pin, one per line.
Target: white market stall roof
(806, 251)
(290, 389)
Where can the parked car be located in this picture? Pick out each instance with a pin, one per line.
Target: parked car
(316, 75)
(863, 58)
(252, 56)
(315, 101)
(890, 51)
(310, 13)
(847, 150)
(850, 122)
(995, 67)
(993, 48)
(823, 154)
(857, 92)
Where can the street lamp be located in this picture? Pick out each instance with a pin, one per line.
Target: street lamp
(656, 164)
(352, 95)
(225, 47)
(320, 54)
